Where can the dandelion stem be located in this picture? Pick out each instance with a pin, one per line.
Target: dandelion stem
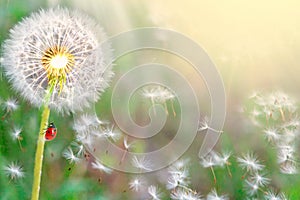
(244, 175)
(20, 145)
(213, 173)
(282, 114)
(37, 174)
(39, 155)
(228, 170)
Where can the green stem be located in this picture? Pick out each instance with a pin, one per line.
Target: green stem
(37, 174)
(39, 155)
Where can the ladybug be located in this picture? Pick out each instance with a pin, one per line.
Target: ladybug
(50, 132)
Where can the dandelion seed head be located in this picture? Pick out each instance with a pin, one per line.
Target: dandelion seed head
(58, 44)
(14, 171)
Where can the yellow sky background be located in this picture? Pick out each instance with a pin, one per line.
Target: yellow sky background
(255, 44)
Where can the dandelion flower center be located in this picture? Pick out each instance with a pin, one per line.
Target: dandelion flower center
(58, 62)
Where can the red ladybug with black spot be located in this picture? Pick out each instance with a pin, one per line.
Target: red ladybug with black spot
(50, 132)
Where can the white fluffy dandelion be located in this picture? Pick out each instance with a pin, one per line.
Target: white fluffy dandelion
(14, 171)
(62, 45)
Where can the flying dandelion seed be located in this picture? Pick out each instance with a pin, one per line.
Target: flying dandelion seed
(154, 192)
(70, 156)
(136, 184)
(14, 171)
(101, 167)
(213, 195)
(61, 45)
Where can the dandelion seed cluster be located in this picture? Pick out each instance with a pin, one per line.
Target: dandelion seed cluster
(58, 44)
(276, 115)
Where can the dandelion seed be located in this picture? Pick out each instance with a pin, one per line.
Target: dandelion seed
(78, 148)
(272, 134)
(159, 94)
(9, 106)
(271, 195)
(141, 163)
(255, 113)
(204, 125)
(251, 188)
(222, 160)
(181, 194)
(285, 153)
(178, 178)
(16, 133)
(213, 195)
(99, 166)
(60, 45)
(289, 168)
(180, 164)
(209, 162)
(250, 163)
(154, 192)
(260, 179)
(110, 133)
(85, 123)
(127, 146)
(136, 184)
(14, 171)
(69, 155)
